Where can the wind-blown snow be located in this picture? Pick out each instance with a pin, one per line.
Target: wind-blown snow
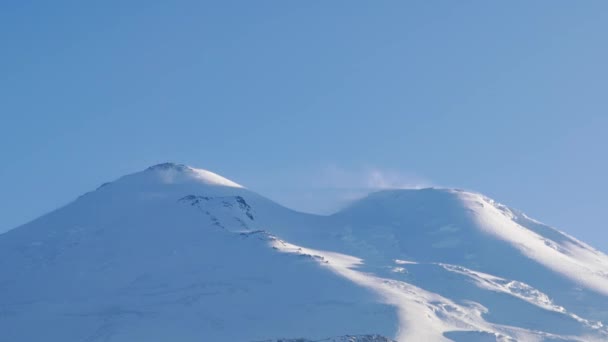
(170, 173)
(182, 254)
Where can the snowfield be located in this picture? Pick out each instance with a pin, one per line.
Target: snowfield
(175, 253)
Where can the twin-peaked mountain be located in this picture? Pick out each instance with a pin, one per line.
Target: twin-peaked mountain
(174, 253)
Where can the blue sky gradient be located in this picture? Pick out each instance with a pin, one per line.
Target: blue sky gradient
(310, 102)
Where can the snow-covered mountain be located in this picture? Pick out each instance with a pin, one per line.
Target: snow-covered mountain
(174, 253)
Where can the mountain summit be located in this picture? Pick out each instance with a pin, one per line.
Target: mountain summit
(171, 172)
(175, 253)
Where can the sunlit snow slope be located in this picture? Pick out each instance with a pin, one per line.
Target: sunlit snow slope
(174, 253)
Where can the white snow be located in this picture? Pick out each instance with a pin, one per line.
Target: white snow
(209, 177)
(425, 316)
(570, 258)
(183, 254)
(174, 173)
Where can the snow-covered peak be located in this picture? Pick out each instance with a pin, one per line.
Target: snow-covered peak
(404, 202)
(450, 224)
(167, 181)
(173, 252)
(179, 173)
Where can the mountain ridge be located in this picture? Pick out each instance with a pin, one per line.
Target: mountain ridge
(178, 253)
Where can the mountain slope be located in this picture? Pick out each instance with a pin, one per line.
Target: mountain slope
(174, 253)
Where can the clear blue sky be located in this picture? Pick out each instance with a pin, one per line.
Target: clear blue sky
(301, 100)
